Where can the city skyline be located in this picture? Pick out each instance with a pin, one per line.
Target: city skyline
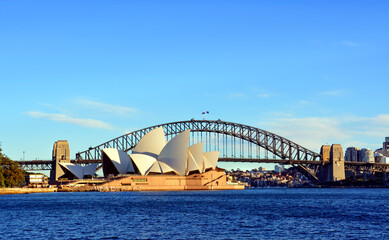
(315, 73)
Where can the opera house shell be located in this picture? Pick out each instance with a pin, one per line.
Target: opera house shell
(73, 171)
(154, 156)
(153, 165)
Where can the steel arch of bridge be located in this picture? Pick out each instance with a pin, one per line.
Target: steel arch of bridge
(285, 150)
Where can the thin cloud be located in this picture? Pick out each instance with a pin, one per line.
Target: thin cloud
(310, 132)
(104, 107)
(382, 120)
(350, 43)
(91, 123)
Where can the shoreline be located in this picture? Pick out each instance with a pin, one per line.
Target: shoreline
(9, 191)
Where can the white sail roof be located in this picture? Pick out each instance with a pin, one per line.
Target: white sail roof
(152, 143)
(195, 158)
(143, 162)
(153, 155)
(155, 168)
(89, 170)
(79, 171)
(174, 153)
(160, 167)
(166, 168)
(120, 160)
(125, 161)
(210, 159)
(76, 170)
(191, 164)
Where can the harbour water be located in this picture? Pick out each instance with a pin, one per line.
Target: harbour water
(249, 214)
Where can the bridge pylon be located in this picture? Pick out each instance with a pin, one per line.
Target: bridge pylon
(332, 169)
(61, 153)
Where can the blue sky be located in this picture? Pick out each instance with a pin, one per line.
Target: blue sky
(315, 72)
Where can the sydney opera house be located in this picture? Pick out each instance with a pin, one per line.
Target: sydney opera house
(155, 164)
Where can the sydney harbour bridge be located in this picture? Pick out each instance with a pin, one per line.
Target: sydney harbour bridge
(235, 142)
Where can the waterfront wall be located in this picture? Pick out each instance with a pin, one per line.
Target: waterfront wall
(212, 180)
(25, 190)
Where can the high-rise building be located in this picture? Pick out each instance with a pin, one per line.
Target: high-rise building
(367, 155)
(278, 169)
(385, 150)
(386, 143)
(352, 154)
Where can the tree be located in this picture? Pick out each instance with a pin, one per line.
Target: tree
(11, 174)
(2, 184)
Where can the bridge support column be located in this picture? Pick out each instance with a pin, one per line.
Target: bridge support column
(333, 168)
(61, 153)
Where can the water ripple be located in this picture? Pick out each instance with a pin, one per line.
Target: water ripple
(249, 214)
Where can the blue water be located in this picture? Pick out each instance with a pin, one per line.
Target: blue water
(249, 214)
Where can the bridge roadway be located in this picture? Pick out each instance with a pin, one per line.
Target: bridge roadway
(349, 166)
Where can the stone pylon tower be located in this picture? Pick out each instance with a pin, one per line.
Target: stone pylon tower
(336, 163)
(61, 153)
(325, 153)
(332, 169)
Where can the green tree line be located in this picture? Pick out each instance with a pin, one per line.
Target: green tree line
(11, 174)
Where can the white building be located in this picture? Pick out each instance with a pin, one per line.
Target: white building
(153, 155)
(379, 158)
